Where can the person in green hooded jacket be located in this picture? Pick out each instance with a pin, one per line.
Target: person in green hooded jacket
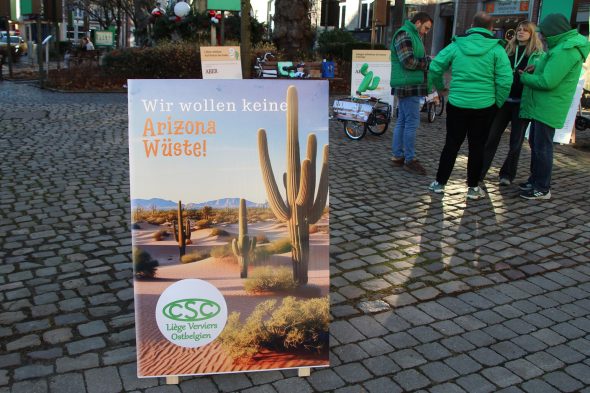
(547, 97)
(480, 83)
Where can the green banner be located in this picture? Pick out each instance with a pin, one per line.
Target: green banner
(556, 6)
(224, 5)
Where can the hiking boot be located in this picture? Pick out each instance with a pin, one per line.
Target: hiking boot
(536, 194)
(526, 186)
(415, 167)
(397, 161)
(436, 187)
(504, 181)
(475, 193)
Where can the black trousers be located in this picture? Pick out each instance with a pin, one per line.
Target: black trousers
(507, 114)
(461, 122)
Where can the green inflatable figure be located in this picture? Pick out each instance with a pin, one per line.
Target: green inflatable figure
(369, 82)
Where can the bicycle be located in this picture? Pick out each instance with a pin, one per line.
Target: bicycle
(433, 105)
(259, 67)
(359, 115)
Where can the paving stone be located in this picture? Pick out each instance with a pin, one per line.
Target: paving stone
(67, 383)
(353, 372)
(562, 381)
(291, 385)
(325, 380)
(545, 361)
(38, 386)
(368, 326)
(381, 365)
(58, 336)
(376, 347)
(82, 362)
(201, 385)
(463, 364)
(128, 373)
(350, 353)
(565, 354)
(384, 385)
(407, 358)
(476, 383)
(85, 345)
(438, 372)
(32, 371)
(410, 380)
(538, 386)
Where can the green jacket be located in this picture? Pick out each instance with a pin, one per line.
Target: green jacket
(401, 76)
(481, 74)
(548, 92)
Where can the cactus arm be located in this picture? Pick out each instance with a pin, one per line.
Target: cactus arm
(374, 83)
(272, 191)
(243, 218)
(188, 229)
(252, 245)
(364, 68)
(180, 228)
(322, 195)
(235, 248)
(293, 163)
(175, 231)
(306, 185)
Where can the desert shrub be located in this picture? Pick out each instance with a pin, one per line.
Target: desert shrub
(193, 257)
(204, 223)
(160, 235)
(222, 251)
(135, 226)
(143, 264)
(294, 325)
(165, 60)
(279, 246)
(156, 220)
(218, 232)
(269, 278)
(313, 229)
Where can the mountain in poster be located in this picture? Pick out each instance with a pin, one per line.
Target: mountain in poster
(164, 204)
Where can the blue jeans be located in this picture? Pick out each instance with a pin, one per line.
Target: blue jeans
(404, 134)
(541, 141)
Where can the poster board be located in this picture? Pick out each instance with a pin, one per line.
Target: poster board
(200, 170)
(368, 65)
(221, 62)
(564, 135)
(104, 38)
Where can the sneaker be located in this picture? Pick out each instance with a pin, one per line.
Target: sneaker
(475, 193)
(526, 186)
(397, 161)
(504, 181)
(536, 194)
(436, 187)
(415, 166)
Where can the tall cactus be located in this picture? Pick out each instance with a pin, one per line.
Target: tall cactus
(300, 209)
(369, 82)
(243, 245)
(182, 232)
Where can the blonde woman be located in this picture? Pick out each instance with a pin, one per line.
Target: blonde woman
(524, 49)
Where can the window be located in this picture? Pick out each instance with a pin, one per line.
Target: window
(366, 14)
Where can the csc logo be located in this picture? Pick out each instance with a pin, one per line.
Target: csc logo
(191, 310)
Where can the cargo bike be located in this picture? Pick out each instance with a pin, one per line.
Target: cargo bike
(359, 114)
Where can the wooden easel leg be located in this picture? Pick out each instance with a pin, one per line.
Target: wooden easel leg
(173, 380)
(304, 372)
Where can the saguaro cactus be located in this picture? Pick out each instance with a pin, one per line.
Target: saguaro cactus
(182, 232)
(243, 245)
(369, 82)
(300, 209)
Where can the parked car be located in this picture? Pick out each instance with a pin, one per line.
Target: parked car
(16, 41)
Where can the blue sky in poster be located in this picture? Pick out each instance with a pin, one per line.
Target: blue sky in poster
(230, 168)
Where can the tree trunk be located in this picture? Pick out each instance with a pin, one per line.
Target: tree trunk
(292, 27)
(246, 41)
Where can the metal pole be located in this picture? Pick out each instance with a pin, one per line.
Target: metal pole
(9, 47)
(40, 52)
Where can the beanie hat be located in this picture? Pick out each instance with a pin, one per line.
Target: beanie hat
(554, 24)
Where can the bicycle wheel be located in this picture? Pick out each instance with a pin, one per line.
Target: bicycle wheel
(378, 123)
(355, 130)
(431, 112)
(440, 107)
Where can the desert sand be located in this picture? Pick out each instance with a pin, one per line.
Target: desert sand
(160, 357)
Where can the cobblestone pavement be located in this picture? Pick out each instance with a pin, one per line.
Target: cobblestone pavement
(430, 293)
